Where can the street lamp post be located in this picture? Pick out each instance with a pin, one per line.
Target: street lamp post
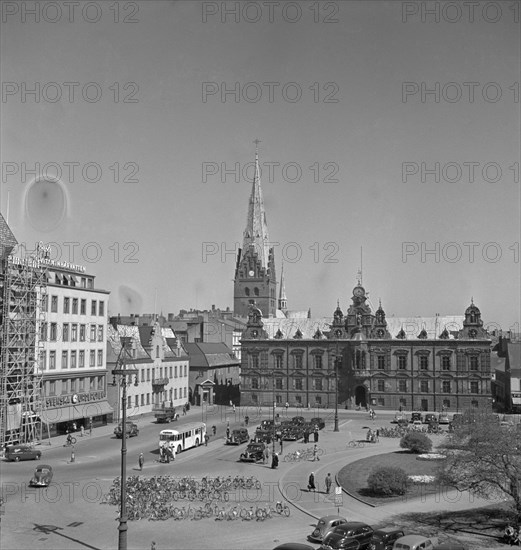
(122, 371)
(336, 389)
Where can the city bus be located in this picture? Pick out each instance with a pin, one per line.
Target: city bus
(185, 437)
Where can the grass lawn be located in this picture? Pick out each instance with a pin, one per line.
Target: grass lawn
(353, 477)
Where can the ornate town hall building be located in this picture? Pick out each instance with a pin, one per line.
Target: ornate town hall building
(356, 358)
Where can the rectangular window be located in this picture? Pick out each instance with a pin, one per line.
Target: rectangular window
(402, 386)
(100, 333)
(65, 386)
(90, 283)
(402, 362)
(445, 362)
(81, 359)
(54, 304)
(65, 332)
(66, 305)
(75, 306)
(92, 358)
(298, 384)
(424, 362)
(254, 361)
(278, 383)
(298, 361)
(83, 307)
(45, 302)
(381, 385)
(298, 399)
(184, 392)
(446, 403)
(142, 399)
(381, 362)
(175, 371)
(318, 384)
(43, 360)
(255, 383)
(136, 400)
(318, 400)
(73, 359)
(52, 387)
(403, 402)
(278, 361)
(52, 360)
(74, 332)
(129, 402)
(142, 375)
(73, 385)
(92, 383)
(175, 393)
(318, 361)
(83, 282)
(148, 399)
(92, 332)
(101, 309)
(148, 375)
(474, 386)
(81, 384)
(157, 352)
(54, 330)
(43, 332)
(100, 358)
(94, 307)
(381, 402)
(82, 333)
(445, 386)
(170, 371)
(65, 359)
(473, 363)
(424, 386)
(185, 372)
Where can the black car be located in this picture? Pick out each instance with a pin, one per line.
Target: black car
(130, 428)
(416, 416)
(298, 420)
(318, 422)
(42, 476)
(293, 433)
(254, 453)
(383, 539)
(352, 535)
(15, 453)
(238, 436)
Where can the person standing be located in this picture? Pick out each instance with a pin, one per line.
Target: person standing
(315, 435)
(274, 461)
(206, 438)
(311, 482)
(281, 445)
(90, 426)
(329, 482)
(141, 461)
(82, 429)
(315, 453)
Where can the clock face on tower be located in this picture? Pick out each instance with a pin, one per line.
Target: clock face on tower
(251, 273)
(358, 291)
(380, 333)
(338, 333)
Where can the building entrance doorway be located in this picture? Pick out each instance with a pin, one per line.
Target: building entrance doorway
(361, 396)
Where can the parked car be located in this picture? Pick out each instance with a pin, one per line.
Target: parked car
(443, 419)
(384, 539)
(293, 434)
(130, 428)
(254, 452)
(238, 436)
(416, 416)
(324, 526)
(417, 423)
(264, 436)
(457, 418)
(352, 535)
(318, 422)
(42, 476)
(430, 417)
(413, 542)
(15, 453)
(298, 420)
(398, 417)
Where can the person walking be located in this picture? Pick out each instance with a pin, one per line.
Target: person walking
(184, 410)
(228, 432)
(315, 453)
(90, 426)
(141, 461)
(315, 435)
(274, 461)
(328, 482)
(206, 438)
(281, 445)
(246, 420)
(311, 482)
(82, 429)
(172, 450)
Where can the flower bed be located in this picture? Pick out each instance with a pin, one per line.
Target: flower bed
(422, 479)
(431, 456)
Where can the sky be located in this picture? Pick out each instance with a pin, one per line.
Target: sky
(391, 127)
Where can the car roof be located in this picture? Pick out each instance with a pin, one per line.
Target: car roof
(412, 539)
(387, 530)
(293, 546)
(325, 519)
(44, 467)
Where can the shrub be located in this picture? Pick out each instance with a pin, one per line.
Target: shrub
(388, 481)
(416, 442)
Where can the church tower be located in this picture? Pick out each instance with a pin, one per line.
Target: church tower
(255, 281)
(283, 301)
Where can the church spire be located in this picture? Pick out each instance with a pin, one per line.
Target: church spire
(283, 301)
(256, 232)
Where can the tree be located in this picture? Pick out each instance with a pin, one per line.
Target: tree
(388, 481)
(484, 458)
(416, 442)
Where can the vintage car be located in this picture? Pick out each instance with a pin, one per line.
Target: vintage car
(443, 418)
(42, 476)
(255, 452)
(264, 436)
(384, 539)
(238, 436)
(430, 417)
(15, 453)
(298, 420)
(325, 525)
(398, 417)
(416, 416)
(318, 422)
(352, 535)
(293, 433)
(413, 542)
(293, 546)
(130, 428)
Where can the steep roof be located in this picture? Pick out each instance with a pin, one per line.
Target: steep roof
(7, 239)
(210, 355)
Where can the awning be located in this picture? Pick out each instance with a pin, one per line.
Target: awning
(75, 412)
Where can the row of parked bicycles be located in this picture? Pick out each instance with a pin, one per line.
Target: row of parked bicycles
(400, 431)
(302, 454)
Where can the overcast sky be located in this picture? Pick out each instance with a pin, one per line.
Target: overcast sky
(354, 104)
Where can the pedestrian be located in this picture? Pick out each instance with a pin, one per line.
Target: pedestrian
(184, 410)
(306, 436)
(161, 454)
(368, 435)
(228, 432)
(266, 455)
(141, 461)
(233, 406)
(281, 445)
(287, 407)
(206, 438)
(172, 450)
(214, 430)
(274, 461)
(311, 482)
(378, 435)
(82, 430)
(329, 482)
(231, 403)
(315, 436)
(315, 453)
(90, 426)
(74, 427)
(246, 420)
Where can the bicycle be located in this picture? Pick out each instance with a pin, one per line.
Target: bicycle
(282, 508)
(70, 442)
(356, 443)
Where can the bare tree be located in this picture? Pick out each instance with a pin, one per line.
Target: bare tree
(484, 458)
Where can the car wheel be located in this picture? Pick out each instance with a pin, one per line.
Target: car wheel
(316, 533)
(179, 449)
(17, 459)
(38, 456)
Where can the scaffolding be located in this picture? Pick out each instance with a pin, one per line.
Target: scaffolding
(23, 295)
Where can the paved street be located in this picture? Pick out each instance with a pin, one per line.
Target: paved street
(74, 518)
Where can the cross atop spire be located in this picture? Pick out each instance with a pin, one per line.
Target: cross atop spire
(257, 141)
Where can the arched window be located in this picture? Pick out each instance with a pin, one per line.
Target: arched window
(247, 291)
(256, 291)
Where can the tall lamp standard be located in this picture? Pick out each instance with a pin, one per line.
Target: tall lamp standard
(336, 388)
(123, 371)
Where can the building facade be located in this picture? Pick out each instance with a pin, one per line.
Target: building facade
(162, 364)
(359, 359)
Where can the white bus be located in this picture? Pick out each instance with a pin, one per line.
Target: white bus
(185, 437)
